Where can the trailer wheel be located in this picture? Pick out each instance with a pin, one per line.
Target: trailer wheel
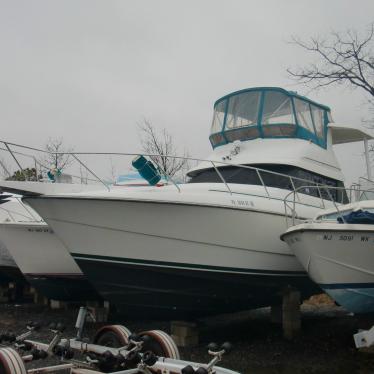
(160, 343)
(114, 336)
(11, 362)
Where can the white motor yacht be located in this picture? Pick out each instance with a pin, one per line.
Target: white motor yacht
(210, 245)
(336, 249)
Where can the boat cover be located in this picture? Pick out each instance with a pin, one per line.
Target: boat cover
(362, 217)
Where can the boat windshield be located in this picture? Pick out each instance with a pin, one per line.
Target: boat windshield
(277, 176)
(334, 216)
(268, 113)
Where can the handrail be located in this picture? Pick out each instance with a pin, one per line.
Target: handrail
(262, 182)
(328, 189)
(151, 155)
(36, 162)
(221, 176)
(90, 171)
(217, 164)
(13, 212)
(30, 212)
(15, 159)
(168, 177)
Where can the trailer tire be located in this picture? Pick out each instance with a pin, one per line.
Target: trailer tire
(11, 362)
(161, 344)
(114, 336)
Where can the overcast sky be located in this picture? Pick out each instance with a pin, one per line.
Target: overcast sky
(90, 70)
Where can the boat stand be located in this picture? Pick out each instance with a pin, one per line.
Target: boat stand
(288, 313)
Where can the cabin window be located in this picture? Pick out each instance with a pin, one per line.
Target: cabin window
(304, 116)
(243, 110)
(218, 117)
(240, 175)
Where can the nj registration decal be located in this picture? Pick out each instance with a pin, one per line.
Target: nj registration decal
(345, 237)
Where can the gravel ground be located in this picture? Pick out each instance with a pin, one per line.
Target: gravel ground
(325, 344)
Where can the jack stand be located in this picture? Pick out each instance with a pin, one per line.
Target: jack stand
(81, 319)
(291, 318)
(79, 324)
(185, 334)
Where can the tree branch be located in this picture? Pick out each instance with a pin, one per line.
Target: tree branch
(345, 58)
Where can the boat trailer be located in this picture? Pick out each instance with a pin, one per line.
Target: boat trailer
(114, 349)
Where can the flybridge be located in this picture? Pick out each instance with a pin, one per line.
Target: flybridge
(268, 112)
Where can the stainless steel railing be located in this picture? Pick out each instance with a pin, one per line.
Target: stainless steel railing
(355, 194)
(217, 166)
(14, 214)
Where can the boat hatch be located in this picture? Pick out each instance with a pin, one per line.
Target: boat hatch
(268, 112)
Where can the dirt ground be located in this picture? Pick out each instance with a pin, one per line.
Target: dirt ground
(325, 344)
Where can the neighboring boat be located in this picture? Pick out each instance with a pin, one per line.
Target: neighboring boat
(336, 249)
(211, 245)
(40, 255)
(9, 271)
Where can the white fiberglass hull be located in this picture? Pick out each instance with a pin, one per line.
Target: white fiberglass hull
(12, 209)
(339, 258)
(9, 270)
(177, 258)
(5, 257)
(44, 261)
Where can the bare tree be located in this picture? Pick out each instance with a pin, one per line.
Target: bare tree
(55, 157)
(161, 143)
(344, 58)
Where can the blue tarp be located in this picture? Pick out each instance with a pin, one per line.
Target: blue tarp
(362, 217)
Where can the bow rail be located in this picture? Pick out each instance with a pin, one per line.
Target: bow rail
(20, 156)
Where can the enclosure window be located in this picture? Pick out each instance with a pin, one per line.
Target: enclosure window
(318, 119)
(243, 110)
(304, 116)
(218, 117)
(277, 109)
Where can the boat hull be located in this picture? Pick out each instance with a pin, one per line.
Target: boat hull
(340, 259)
(45, 262)
(74, 288)
(11, 274)
(165, 260)
(164, 290)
